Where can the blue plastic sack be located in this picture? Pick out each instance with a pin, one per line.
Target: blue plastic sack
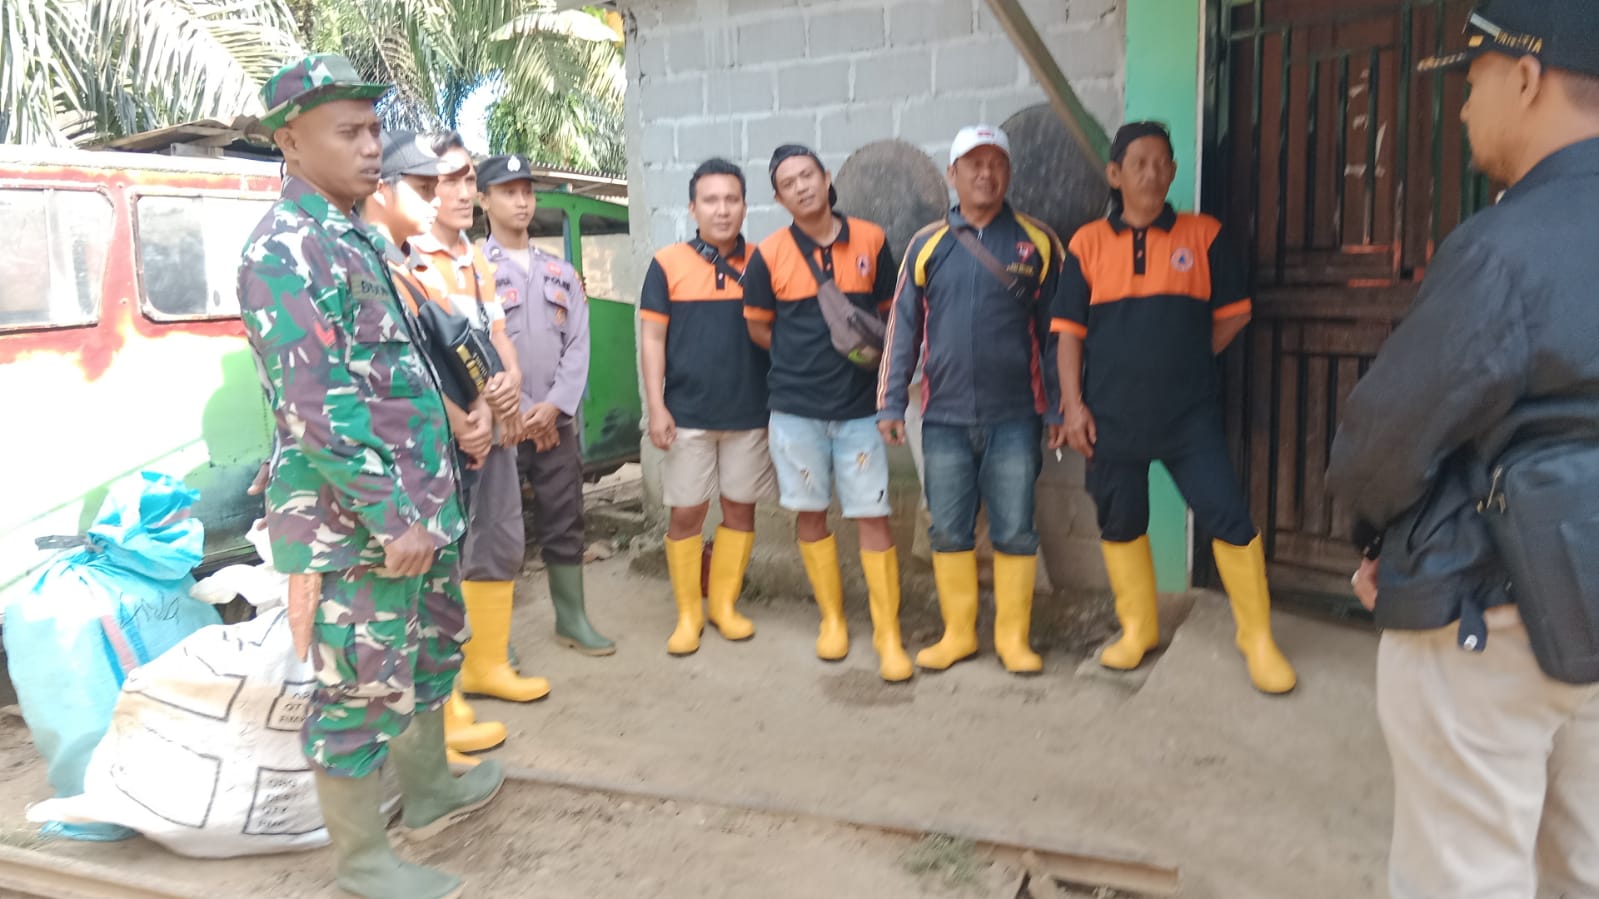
(96, 614)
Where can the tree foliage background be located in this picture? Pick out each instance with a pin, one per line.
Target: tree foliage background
(87, 71)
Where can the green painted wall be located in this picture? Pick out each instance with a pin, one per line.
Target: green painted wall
(1163, 41)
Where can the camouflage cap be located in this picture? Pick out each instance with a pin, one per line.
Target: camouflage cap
(311, 82)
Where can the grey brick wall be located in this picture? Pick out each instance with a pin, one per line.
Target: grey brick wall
(735, 78)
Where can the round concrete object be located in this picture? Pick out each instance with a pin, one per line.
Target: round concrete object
(894, 184)
(1051, 178)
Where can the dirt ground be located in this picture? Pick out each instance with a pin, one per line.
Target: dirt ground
(1185, 766)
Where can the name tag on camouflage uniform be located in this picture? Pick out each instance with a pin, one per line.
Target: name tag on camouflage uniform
(365, 288)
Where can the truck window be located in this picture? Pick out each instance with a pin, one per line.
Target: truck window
(547, 231)
(608, 268)
(52, 262)
(188, 253)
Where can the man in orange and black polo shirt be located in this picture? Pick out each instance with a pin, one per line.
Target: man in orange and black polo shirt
(823, 424)
(458, 277)
(1147, 299)
(705, 384)
(404, 207)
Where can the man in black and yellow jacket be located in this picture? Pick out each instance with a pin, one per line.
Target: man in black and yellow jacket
(1147, 299)
(973, 306)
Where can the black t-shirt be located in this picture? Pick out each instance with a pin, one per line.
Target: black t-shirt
(809, 378)
(715, 375)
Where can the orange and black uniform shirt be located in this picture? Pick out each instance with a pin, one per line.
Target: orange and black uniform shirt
(453, 281)
(809, 378)
(715, 375)
(1144, 301)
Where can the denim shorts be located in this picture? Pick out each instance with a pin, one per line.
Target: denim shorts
(810, 455)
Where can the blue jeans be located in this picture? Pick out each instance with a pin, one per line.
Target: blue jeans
(995, 463)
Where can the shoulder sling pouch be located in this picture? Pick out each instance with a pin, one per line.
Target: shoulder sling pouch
(463, 355)
(1542, 510)
(857, 333)
(1013, 285)
(709, 254)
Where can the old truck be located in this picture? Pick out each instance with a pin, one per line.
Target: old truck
(121, 348)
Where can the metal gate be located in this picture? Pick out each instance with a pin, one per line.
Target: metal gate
(1339, 169)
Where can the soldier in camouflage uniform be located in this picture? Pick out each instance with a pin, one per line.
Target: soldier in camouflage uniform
(363, 485)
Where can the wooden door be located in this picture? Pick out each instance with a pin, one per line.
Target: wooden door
(1339, 169)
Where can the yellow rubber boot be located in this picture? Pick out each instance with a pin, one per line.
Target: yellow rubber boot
(821, 566)
(464, 733)
(1243, 573)
(882, 584)
(1131, 567)
(486, 670)
(956, 577)
(683, 560)
(1014, 578)
(730, 555)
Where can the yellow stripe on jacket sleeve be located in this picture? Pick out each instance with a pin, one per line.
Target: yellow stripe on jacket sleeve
(926, 253)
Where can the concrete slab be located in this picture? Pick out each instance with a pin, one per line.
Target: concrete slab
(1173, 611)
(1251, 796)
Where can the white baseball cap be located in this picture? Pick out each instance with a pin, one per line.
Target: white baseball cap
(973, 136)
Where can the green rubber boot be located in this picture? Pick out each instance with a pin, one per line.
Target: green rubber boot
(366, 866)
(571, 621)
(435, 798)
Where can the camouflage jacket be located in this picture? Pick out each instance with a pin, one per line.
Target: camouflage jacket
(362, 442)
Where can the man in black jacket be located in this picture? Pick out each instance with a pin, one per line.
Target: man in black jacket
(1496, 764)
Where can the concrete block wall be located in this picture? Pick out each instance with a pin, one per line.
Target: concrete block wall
(736, 78)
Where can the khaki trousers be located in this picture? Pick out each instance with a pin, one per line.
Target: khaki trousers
(1496, 768)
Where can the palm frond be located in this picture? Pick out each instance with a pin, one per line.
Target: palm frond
(571, 23)
(164, 61)
(40, 69)
(562, 100)
(92, 69)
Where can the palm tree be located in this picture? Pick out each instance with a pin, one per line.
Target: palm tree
(544, 56)
(41, 68)
(556, 74)
(90, 70)
(87, 71)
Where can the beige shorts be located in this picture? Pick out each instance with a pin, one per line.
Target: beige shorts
(702, 464)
